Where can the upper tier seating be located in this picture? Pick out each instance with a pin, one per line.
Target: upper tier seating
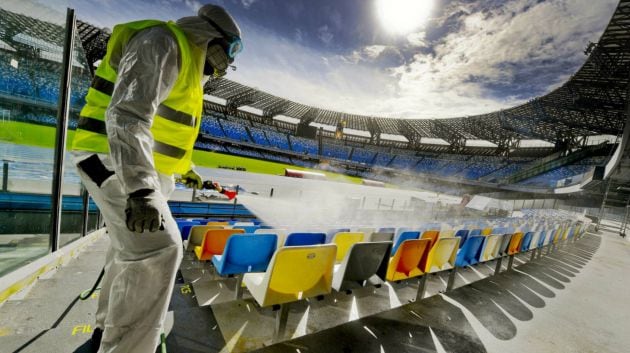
(210, 125)
(258, 136)
(234, 130)
(362, 155)
(303, 145)
(278, 140)
(335, 151)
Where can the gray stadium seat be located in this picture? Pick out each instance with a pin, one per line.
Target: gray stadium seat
(363, 261)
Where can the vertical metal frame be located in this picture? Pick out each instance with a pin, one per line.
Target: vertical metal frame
(62, 130)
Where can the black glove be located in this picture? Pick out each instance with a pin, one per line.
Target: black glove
(143, 211)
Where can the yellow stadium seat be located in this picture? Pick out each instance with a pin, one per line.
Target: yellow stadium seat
(344, 241)
(486, 231)
(294, 273)
(196, 236)
(515, 243)
(491, 247)
(406, 261)
(449, 233)
(443, 254)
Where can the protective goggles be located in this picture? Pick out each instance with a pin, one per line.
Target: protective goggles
(231, 43)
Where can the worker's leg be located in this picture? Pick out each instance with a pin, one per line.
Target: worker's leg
(140, 272)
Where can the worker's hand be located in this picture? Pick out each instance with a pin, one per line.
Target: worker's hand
(192, 179)
(217, 186)
(143, 211)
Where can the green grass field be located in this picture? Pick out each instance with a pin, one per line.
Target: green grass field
(44, 136)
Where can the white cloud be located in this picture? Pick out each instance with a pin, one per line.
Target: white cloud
(247, 3)
(325, 34)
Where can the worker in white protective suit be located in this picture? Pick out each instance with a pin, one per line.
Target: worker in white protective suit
(136, 131)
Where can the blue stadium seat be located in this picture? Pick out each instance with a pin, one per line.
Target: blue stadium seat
(245, 253)
(469, 253)
(297, 239)
(463, 235)
(527, 239)
(408, 235)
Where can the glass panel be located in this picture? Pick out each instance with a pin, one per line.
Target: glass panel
(72, 206)
(31, 42)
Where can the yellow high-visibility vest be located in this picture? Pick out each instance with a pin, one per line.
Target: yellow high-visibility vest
(177, 119)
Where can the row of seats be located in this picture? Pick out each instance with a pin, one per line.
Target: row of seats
(290, 267)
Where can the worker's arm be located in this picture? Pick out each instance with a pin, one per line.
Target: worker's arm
(147, 72)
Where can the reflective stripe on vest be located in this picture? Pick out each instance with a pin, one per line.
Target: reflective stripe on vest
(177, 119)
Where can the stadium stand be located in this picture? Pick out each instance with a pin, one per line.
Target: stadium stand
(362, 155)
(303, 145)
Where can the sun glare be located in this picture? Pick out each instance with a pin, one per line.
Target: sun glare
(403, 16)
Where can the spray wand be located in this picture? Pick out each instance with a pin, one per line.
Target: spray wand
(211, 185)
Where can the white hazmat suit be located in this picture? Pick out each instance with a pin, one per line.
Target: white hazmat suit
(140, 269)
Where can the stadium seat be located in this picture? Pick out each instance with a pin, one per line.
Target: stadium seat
(247, 229)
(474, 232)
(515, 243)
(245, 253)
(406, 261)
(442, 255)
(535, 240)
(526, 242)
(185, 232)
(462, 234)
(448, 233)
(182, 224)
(214, 223)
(486, 231)
(281, 234)
(491, 247)
(381, 236)
(362, 262)
(432, 235)
(197, 233)
(505, 243)
(214, 242)
(301, 239)
(330, 234)
(344, 241)
(403, 237)
(468, 255)
(294, 273)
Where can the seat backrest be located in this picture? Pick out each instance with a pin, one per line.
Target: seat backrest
(533, 244)
(515, 243)
(247, 253)
(330, 234)
(299, 272)
(474, 232)
(486, 231)
(468, 254)
(462, 234)
(247, 229)
(281, 234)
(214, 223)
(381, 236)
(491, 247)
(182, 224)
(185, 232)
(301, 239)
(526, 242)
(363, 261)
(367, 231)
(432, 235)
(406, 261)
(542, 238)
(403, 237)
(505, 243)
(215, 240)
(447, 233)
(243, 224)
(197, 234)
(442, 255)
(345, 240)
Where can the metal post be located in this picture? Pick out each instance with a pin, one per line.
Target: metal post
(239, 287)
(602, 208)
(422, 285)
(497, 269)
(271, 193)
(282, 316)
(85, 198)
(62, 129)
(622, 231)
(5, 175)
(533, 255)
(510, 262)
(194, 194)
(451, 279)
(235, 201)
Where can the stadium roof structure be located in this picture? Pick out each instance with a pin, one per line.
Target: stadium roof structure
(592, 102)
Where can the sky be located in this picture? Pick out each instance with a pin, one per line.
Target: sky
(459, 58)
